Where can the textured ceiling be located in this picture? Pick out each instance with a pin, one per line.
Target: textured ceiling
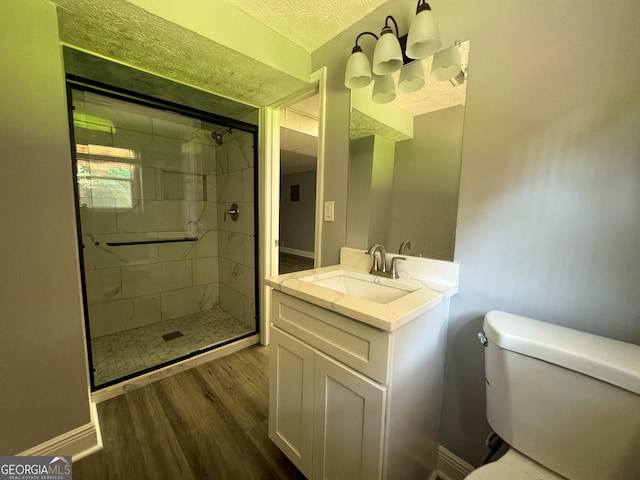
(121, 31)
(308, 23)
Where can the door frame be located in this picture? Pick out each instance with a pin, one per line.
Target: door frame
(269, 183)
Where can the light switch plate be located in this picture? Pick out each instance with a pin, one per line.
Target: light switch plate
(328, 211)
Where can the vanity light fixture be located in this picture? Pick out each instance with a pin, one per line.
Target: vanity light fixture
(358, 71)
(411, 77)
(423, 39)
(393, 52)
(384, 90)
(387, 56)
(447, 64)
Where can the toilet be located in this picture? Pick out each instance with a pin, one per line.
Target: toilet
(566, 402)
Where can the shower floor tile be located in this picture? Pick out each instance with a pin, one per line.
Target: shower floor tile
(120, 354)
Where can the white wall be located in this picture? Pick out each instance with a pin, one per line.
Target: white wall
(550, 188)
(44, 386)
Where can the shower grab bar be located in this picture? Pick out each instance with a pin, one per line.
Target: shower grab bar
(146, 242)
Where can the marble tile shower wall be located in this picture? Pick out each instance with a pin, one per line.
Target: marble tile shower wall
(173, 190)
(235, 183)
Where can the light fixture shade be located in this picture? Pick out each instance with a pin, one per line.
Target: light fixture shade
(424, 35)
(358, 71)
(411, 77)
(387, 56)
(384, 90)
(446, 64)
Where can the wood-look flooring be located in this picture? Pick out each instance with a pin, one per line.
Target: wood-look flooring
(288, 263)
(209, 422)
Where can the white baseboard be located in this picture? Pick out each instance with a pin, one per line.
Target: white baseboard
(77, 443)
(300, 253)
(434, 476)
(450, 466)
(147, 378)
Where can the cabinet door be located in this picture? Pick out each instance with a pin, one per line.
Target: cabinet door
(291, 398)
(348, 423)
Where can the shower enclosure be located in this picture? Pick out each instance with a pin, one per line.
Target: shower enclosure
(167, 215)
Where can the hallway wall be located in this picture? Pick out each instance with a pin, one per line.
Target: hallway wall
(297, 218)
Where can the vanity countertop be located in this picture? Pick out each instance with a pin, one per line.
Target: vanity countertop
(434, 281)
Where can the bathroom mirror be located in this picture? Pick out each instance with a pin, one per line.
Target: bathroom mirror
(404, 166)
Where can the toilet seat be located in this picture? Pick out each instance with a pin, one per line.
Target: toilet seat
(513, 466)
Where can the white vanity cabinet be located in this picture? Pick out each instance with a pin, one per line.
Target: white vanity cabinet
(351, 401)
(325, 417)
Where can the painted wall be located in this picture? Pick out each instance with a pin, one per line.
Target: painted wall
(381, 183)
(336, 165)
(550, 186)
(359, 191)
(371, 163)
(426, 179)
(297, 219)
(44, 379)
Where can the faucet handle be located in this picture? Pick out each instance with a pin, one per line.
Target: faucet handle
(394, 267)
(405, 245)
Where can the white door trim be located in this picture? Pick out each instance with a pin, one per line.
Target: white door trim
(320, 77)
(269, 188)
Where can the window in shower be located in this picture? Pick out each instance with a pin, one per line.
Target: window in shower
(105, 183)
(167, 274)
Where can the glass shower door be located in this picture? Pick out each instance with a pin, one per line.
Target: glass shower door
(168, 273)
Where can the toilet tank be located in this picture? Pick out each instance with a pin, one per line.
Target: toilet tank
(569, 400)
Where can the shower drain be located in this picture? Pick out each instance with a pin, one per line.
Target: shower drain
(172, 335)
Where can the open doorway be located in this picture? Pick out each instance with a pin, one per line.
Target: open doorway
(299, 128)
(273, 118)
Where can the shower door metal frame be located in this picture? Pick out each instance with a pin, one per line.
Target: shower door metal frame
(85, 84)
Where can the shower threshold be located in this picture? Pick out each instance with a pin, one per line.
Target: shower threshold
(123, 354)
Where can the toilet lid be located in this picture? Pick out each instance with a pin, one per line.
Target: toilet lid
(499, 471)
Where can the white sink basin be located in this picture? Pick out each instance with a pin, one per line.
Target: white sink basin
(369, 287)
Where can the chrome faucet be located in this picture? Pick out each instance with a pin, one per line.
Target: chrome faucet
(379, 266)
(405, 245)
